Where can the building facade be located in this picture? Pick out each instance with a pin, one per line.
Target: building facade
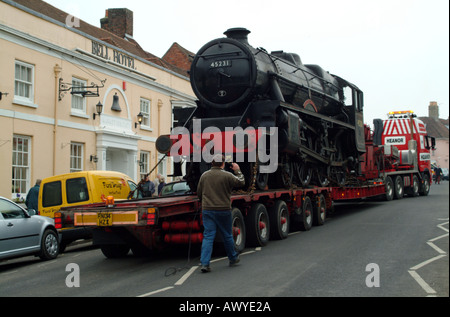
(56, 70)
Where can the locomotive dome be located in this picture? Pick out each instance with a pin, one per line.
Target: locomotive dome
(223, 72)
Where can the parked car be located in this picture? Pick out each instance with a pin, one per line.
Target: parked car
(175, 188)
(445, 174)
(23, 233)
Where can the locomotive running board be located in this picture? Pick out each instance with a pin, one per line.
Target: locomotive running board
(316, 115)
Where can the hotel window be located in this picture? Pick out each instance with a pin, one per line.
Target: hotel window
(23, 82)
(78, 101)
(143, 164)
(162, 167)
(145, 110)
(76, 157)
(20, 165)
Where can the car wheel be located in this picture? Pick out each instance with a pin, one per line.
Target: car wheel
(49, 245)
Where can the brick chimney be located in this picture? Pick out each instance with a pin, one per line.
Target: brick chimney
(118, 21)
(433, 110)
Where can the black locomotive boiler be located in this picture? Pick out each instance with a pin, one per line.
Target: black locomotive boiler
(318, 116)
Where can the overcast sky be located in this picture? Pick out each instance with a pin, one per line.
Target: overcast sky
(396, 51)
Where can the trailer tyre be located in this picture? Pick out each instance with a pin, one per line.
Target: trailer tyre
(398, 187)
(114, 251)
(425, 187)
(389, 195)
(413, 191)
(320, 211)
(307, 214)
(279, 220)
(257, 225)
(238, 229)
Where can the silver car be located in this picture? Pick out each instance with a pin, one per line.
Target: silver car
(24, 233)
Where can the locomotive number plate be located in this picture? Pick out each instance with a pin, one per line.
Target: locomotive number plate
(223, 63)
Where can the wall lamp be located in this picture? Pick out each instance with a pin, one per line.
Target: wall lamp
(98, 108)
(140, 116)
(94, 158)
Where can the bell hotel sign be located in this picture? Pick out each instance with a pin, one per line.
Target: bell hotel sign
(103, 51)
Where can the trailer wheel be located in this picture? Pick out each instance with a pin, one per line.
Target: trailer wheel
(238, 229)
(398, 187)
(307, 214)
(389, 195)
(279, 220)
(320, 211)
(413, 191)
(257, 225)
(114, 251)
(425, 188)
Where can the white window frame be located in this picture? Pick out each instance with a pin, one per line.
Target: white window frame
(76, 157)
(78, 103)
(162, 167)
(19, 82)
(146, 109)
(20, 171)
(144, 163)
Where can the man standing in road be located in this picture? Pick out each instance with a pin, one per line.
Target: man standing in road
(214, 191)
(33, 195)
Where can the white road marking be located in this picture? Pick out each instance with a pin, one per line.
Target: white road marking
(186, 275)
(157, 291)
(427, 288)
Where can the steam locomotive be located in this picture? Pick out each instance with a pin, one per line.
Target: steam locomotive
(247, 95)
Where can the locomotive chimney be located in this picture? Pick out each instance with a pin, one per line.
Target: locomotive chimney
(239, 34)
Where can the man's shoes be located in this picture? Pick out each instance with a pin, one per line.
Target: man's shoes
(235, 261)
(205, 269)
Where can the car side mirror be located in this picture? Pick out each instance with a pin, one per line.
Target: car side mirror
(32, 212)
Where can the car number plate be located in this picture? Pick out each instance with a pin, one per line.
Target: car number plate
(104, 219)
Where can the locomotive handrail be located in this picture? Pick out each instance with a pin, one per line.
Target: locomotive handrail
(206, 56)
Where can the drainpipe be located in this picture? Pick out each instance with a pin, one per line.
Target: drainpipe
(57, 70)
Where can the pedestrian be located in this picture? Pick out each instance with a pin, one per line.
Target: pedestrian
(148, 187)
(214, 191)
(161, 184)
(33, 196)
(438, 172)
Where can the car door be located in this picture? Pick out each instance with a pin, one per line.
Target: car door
(19, 233)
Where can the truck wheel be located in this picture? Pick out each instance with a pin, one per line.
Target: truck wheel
(238, 227)
(114, 251)
(279, 220)
(49, 245)
(320, 211)
(425, 188)
(389, 195)
(398, 187)
(257, 225)
(413, 191)
(307, 214)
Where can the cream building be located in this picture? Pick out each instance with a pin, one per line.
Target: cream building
(55, 69)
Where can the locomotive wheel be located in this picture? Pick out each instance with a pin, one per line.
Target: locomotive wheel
(338, 172)
(262, 179)
(238, 226)
(322, 173)
(285, 173)
(279, 220)
(398, 187)
(304, 173)
(257, 226)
